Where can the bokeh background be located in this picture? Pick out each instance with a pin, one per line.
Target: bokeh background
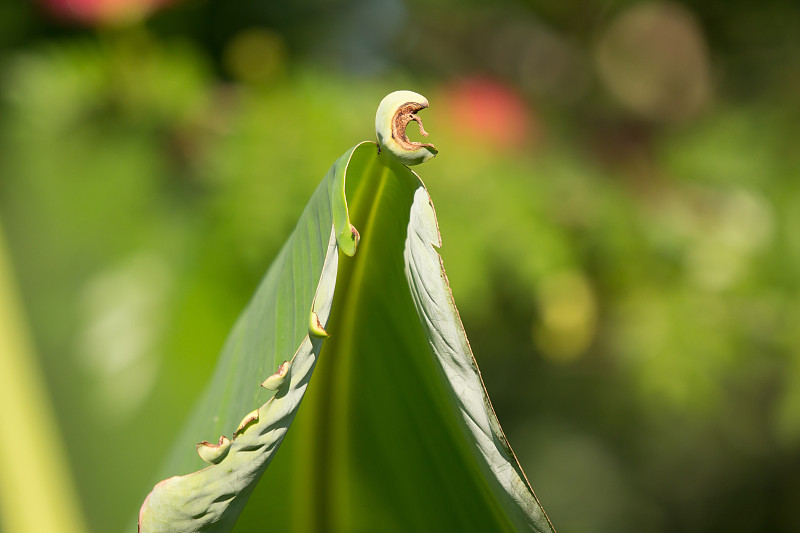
(617, 189)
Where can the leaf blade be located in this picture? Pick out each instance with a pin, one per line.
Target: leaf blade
(398, 354)
(300, 281)
(439, 316)
(380, 442)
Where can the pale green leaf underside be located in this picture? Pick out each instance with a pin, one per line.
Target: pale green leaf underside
(397, 432)
(436, 308)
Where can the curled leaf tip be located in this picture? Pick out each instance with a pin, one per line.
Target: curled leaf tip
(348, 240)
(356, 236)
(395, 111)
(315, 327)
(213, 453)
(246, 422)
(276, 380)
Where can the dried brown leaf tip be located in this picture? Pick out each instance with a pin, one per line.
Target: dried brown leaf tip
(393, 116)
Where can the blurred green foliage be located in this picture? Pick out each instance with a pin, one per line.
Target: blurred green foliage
(629, 275)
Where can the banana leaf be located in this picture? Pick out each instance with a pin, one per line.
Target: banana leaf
(397, 432)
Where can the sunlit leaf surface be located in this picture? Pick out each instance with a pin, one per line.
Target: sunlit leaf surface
(397, 433)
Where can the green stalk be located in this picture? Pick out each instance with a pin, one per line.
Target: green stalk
(36, 490)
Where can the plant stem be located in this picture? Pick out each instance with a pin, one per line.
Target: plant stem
(36, 489)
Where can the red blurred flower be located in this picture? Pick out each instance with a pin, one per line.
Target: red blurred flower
(488, 111)
(102, 12)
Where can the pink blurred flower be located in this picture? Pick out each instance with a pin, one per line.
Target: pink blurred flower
(488, 111)
(102, 12)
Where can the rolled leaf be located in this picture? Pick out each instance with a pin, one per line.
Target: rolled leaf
(397, 432)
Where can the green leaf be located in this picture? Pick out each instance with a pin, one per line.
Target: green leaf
(296, 291)
(397, 433)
